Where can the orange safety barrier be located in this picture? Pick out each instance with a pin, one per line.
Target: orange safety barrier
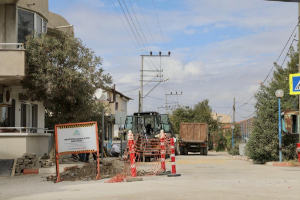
(142, 148)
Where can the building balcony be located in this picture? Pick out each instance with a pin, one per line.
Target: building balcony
(12, 63)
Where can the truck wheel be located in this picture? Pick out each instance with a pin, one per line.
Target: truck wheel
(181, 150)
(185, 151)
(201, 150)
(205, 151)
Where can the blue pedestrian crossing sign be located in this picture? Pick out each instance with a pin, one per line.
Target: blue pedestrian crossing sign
(294, 84)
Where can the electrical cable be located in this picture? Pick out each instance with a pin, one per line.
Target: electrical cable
(159, 24)
(272, 67)
(247, 116)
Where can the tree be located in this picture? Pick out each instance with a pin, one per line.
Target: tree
(201, 113)
(64, 72)
(263, 145)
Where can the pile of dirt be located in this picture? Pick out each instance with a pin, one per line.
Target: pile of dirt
(108, 169)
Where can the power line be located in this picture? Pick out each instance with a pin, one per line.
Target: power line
(245, 103)
(148, 46)
(247, 116)
(245, 110)
(272, 67)
(147, 25)
(138, 39)
(146, 83)
(159, 24)
(227, 115)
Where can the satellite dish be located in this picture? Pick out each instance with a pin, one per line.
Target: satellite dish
(98, 93)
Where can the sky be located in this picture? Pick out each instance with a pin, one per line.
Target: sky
(220, 50)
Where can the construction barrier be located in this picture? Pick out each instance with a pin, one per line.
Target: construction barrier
(162, 151)
(298, 151)
(139, 149)
(173, 159)
(132, 154)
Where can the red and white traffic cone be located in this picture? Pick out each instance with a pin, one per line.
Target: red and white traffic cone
(132, 153)
(173, 159)
(298, 151)
(162, 151)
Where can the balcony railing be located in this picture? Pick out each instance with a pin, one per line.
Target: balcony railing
(12, 46)
(24, 130)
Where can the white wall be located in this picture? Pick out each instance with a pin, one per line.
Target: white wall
(14, 145)
(116, 131)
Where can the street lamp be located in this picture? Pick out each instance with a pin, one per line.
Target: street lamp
(232, 127)
(279, 94)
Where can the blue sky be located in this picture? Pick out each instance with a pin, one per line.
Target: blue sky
(219, 49)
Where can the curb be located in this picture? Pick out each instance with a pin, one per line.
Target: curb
(283, 164)
(240, 158)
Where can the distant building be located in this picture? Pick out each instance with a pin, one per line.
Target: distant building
(116, 114)
(222, 118)
(26, 119)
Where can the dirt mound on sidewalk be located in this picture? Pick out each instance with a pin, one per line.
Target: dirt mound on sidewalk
(88, 172)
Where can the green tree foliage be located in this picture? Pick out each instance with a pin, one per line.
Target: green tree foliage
(218, 140)
(237, 139)
(201, 113)
(263, 145)
(61, 70)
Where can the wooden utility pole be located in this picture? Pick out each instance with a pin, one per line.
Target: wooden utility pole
(141, 96)
(139, 101)
(167, 100)
(233, 120)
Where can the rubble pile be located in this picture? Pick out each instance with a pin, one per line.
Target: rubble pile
(88, 172)
(30, 161)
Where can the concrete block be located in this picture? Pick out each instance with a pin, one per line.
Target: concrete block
(30, 171)
(29, 166)
(32, 155)
(25, 154)
(18, 174)
(20, 161)
(18, 170)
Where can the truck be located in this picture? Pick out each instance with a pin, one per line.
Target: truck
(193, 138)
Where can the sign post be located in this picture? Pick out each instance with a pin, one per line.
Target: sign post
(76, 138)
(295, 90)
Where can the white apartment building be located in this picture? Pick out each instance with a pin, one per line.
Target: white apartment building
(22, 127)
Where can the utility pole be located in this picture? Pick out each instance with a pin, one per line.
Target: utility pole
(299, 64)
(161, 107)
(233, 109)
(167, 100)
(141, 91)
(140, 101)
(141, 96)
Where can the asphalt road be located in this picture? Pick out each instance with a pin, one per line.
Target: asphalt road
(211, 177)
